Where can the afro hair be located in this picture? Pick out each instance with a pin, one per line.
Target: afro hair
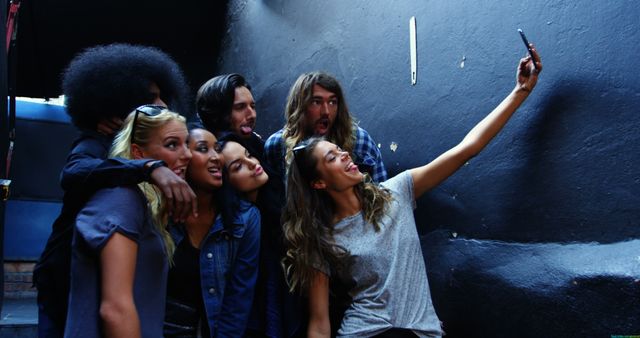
(112, 80)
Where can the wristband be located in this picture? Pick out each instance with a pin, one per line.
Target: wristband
(151, 166)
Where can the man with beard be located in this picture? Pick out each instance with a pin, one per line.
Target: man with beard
(316, 107)
(225, 106)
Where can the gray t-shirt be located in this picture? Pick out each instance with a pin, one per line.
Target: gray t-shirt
(121, 210)
(391, 287)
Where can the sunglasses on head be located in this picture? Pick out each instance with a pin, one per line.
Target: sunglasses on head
(299, 149)
(148, 110)
(298, 153)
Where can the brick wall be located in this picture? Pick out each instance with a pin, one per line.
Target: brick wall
(18, 278)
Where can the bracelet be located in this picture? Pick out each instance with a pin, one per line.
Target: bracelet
(151, 166)
(525, 89)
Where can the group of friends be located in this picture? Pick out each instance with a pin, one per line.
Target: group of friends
(172, 228)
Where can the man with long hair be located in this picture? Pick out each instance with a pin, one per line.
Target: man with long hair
(225, 105)
(102, 85)
(316, 107)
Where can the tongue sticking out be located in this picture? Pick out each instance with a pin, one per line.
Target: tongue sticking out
(246, 130)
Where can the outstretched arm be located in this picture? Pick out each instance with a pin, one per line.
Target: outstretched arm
(429, 176)
(87, 169)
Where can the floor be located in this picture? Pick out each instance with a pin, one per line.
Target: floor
(19, 318)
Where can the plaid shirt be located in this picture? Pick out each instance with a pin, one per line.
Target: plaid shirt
(366, 154)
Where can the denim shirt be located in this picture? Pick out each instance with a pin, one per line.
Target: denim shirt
(228, 270)
(87, 170)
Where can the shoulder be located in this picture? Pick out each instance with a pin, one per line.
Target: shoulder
(118, 203)
(120, 209)
(89, 142)
(363, 140)
(247, 220)
(274, 138)
(361, 133)
(365, 148)
(118, 198)
(256, 139)
(124, 206)
(246, 213)
(274, 145)
(401, 184)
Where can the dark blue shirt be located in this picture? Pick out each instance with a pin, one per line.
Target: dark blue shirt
(123, 210)
(86, 171)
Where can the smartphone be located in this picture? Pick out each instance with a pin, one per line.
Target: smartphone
(526, 44)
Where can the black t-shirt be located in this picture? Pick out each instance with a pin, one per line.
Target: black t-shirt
(183, 285)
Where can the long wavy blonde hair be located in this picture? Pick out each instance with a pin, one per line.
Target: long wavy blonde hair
(145, 126)
(308, 219)
(300, 96)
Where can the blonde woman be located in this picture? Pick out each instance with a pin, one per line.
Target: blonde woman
(121, 248)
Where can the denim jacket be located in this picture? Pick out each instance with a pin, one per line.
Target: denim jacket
(228, 270)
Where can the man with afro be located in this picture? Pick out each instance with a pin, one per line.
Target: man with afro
(102, 85)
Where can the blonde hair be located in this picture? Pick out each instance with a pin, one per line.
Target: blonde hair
(145, 126)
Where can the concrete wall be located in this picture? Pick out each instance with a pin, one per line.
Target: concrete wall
(537, 236)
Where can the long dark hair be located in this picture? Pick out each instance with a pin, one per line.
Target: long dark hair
(225, 199)
(308, 218)
(300, 96)
(270, 196)
(214, 101)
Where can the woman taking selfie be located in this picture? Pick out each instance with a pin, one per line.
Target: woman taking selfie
(120, 243)
(337, 225)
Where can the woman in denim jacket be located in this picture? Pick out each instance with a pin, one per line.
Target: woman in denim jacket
(276, 312)
(215, 265)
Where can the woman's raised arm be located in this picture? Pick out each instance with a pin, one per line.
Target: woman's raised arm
(429, 176)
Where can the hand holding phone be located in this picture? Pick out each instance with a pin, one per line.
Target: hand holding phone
(526, 43)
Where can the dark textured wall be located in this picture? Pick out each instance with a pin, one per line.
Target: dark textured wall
(537, 236)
